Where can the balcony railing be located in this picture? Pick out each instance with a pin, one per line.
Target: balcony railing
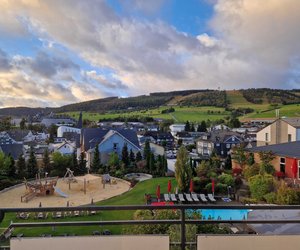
(183, 221)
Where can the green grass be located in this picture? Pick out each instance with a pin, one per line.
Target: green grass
(133, 197)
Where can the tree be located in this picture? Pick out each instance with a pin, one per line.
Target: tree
(4, 165)
(46, 162)
(32, 168)
(21, 167)
(266, 158)
(187, 126)
(183, 171)
(131, 156)
(234, 123)
(151, 163)
(228, 164)
(192, 127)
(250, 159)
(81, 164)
(147, 150)
(260, 185)
(23, 124)
(60, 163)
(202, 127)
(125, 155)
(96, 163)
(12, 166)
(113, 160)
(239, 156)
(138, 156)
(52, 133)
(74, 162)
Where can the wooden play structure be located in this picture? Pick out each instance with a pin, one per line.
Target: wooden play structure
(39, 188)
(69, 176)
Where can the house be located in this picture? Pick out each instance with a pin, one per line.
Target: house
(162, 138)
(219, 141)
(6, 139)
(175, 128)
(285, 153)
(280, 131)
(57, 121)
(108, 141)
(65, 148)
(65, 129)
(185, 137)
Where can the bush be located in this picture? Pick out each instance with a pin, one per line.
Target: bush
(250, 171)
(200, 183)
(260, 185)
(221, 188)
(286, 195)
(212, 175)
(249, 201)
(268, 169)
(226, 179)
(270, 198)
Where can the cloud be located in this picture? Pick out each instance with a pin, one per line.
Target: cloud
(250, 44)
(4, 61)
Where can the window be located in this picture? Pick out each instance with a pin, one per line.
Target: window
(115, 146)
(289, 137)
(282, 164)
(266, 136)
(227, 145)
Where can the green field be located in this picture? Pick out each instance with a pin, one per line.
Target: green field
(133, 197)
(198, 114)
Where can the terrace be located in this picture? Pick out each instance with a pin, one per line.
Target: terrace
(233, 241)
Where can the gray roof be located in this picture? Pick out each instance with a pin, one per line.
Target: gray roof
(295, 122)
(221, 135)
(90, 137)
(18, 134)
(289, 149)
(49, 121)
(15, 150)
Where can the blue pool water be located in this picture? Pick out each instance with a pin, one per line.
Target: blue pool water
(224, 214)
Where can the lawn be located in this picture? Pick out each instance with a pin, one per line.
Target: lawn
(133, 197)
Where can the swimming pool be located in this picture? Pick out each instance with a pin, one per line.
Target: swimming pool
(224, 214)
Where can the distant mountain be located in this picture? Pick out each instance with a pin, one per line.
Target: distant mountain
(204, 97)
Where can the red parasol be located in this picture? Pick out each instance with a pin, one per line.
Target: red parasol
(158, 192)
(191, 186)
(169, 186)
(294, 168)
(213, 186)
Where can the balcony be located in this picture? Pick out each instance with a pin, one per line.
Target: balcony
(231, 241)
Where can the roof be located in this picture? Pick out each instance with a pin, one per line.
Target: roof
(15, 150)
(18, 134)
(295, 122)
(92, 136)
(289, 149)
(220, 135)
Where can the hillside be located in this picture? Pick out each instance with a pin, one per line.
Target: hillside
(261, 102)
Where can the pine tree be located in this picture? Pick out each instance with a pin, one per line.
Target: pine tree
(32, 168)
(12, 166)
(147, 150)
(46, 162)
(151, 163)
(187, 127)
(192, 127)
(125, 155)
(21, 167)
(74, 162)
(131, 156)
(82, 164)
(202, 127)
(96, 164)
(138, 156)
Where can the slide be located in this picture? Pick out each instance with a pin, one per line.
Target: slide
(61, 193)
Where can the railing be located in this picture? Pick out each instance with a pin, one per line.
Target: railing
(182, 221)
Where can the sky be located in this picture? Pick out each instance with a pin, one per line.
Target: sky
(58, 52)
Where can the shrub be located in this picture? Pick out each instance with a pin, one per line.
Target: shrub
(226, 179)
(221, 188)
(212, 175)
(260, 185)
(249, 201)
(250, 171)
(236, 171)
(200, 183)
(267, 168)
(270, 198)
(286, 195)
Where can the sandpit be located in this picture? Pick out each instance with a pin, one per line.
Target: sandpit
(76, 197)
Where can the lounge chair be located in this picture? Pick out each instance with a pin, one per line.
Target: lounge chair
(173, 197)
(188, 197)
(211, 198)
(195, 198)
(166, 197)
(203, 198)
(181, 198)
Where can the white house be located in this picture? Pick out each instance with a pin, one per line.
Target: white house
(62, 129)
(175, 128)
(65, 148)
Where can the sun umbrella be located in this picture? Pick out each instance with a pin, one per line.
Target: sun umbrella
(191, 186)
(169, 186)
(158, 192)
(213, 186)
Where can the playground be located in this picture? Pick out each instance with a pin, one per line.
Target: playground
(62, 192)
